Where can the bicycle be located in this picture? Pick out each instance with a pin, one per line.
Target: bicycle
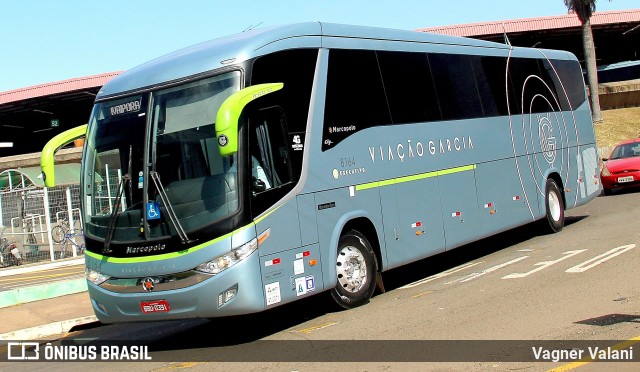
(70, 238)
(58, 231)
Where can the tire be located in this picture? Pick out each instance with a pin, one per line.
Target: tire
(356, 269)
(554, 205)
(57, 234)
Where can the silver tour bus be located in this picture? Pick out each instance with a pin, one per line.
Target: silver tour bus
(257, 169)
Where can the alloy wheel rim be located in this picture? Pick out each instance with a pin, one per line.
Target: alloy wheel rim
(351, 269)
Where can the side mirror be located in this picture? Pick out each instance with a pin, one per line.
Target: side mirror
(47, 159)
(229, 114)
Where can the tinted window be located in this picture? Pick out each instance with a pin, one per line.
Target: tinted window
(532, 87)
(490, 74)
(455, 83)
(355, 95)
(271, 173)
(570, 73)
(409, 87)
(294, 68)
(543, 80)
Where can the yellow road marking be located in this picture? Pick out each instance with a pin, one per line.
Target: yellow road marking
(178, 366)
(623, 345)
(315, 328)
(421, 294)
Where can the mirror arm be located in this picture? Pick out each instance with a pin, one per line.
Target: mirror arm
(47, 159)
(229, 113)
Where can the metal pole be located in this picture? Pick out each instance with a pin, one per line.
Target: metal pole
(72, 228)
(123, 203)
(106, 172)
(47, 217)
(1, 215)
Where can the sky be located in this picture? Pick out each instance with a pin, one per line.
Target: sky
(46, 41)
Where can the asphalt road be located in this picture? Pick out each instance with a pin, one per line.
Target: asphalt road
(520, 287)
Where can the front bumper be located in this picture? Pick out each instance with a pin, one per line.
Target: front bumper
(614, 181)
(200, 300)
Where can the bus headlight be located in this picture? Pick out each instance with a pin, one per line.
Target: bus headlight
(94, 276)
(225, 261)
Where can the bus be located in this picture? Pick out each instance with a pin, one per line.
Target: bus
(258, 169)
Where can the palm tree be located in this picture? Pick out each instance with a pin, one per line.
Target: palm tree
(584, 9)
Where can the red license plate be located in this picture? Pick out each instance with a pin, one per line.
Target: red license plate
(157, 306)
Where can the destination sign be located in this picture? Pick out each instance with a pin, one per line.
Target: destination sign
(125, 108)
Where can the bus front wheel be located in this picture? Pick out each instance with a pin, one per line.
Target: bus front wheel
(554, 207)
(356, 268)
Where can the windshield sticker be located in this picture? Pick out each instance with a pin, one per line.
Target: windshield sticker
(297, 143)
(153, 211)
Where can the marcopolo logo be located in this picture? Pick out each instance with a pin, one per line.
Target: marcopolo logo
(223, 140)
(342, 129)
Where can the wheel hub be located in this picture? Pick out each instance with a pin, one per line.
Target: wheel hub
(351, 269)
(554, 206)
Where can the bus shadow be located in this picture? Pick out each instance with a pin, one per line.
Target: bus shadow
(429, 266)
(243, 329)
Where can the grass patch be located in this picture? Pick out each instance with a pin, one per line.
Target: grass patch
(618, 125)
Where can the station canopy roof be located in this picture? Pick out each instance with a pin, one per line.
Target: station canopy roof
(27, 177)
(616, 33)
(30, 116)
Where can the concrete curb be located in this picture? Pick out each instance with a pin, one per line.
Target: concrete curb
(42, 291)
(47, 330)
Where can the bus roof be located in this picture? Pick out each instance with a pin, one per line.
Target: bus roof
(228, 50)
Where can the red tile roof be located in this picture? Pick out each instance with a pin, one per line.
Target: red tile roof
(56, 87)
(533, 24)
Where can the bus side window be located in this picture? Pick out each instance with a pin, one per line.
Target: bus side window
(295, 69)
(270, 163)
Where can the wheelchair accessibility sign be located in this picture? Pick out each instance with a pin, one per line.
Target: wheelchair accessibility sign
(153, 211)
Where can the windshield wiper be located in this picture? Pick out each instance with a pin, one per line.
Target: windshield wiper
(155, 177)
(111, 227)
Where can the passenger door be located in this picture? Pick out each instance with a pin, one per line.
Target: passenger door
(271, 177)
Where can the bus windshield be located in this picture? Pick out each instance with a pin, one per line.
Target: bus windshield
(185, 185)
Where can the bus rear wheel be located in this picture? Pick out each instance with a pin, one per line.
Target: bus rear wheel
(554, 207)
(356, 268)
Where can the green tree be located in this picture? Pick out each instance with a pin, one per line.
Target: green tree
(584, 10)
